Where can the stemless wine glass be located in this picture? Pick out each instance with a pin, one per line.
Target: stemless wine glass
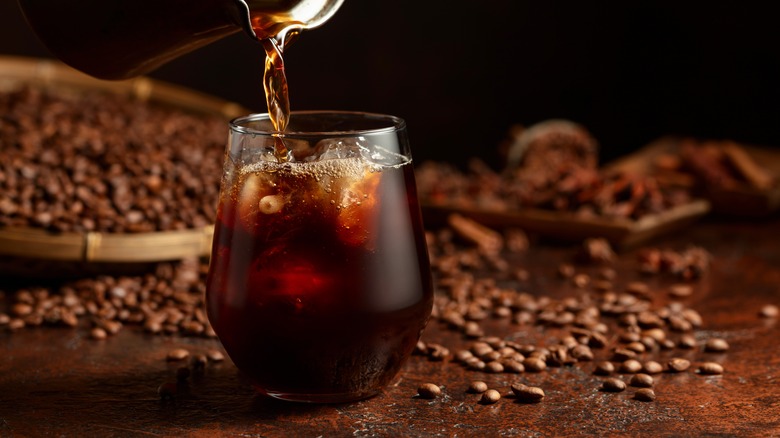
(319, 283)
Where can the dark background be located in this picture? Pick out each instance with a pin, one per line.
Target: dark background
(461, 73)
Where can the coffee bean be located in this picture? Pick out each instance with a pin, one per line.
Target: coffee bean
(604, 368)
(178, 354)
(711, 368)
(622, 354)
(527, 394)
(98, 334)
(582, 353)
(581, 280)
(4, 319)
(636, 347)
(716, 345)
(437, 352)
(16, 324)
(566, 270)
(680, 290)
(215, 356)
(490, 396)
(494, 367)
(476, 364)
(477, 387)
(613, 385)
(644, 394)
(677, 365)
(534, 364)
(513, 366)
(769, 311)
(428, 390)
(641, 380)
(652, 367)
(687, 342)
(463, 355)
(630, 366)
(637, 288)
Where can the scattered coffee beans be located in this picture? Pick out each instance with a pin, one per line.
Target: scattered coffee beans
(613, 385)
(769, 311)
(678, 365)
(478, 387)
(429, 391)
(711, 368)
(177, 354)
(644, 394)
(604, 368)
(490, 396)
(641, 380)
(527, 394)
(716, 345)
(652, 367)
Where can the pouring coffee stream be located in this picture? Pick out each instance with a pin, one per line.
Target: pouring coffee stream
(119, 39)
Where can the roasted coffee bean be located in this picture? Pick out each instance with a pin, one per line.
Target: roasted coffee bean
(16, 324)
(637, 288)
(716, 345)
(622, 355)
(687, 342)
(604, 368)
(494, 367)
(534, 364)
(490, 396)
(527, 394)
(167, 391)
(613, 384)
(477, 387)
(630, 366)
(652, 367)
(711, 368)
(513, 366)
(581, 280)
(680, 290)
(668, 344)
(636, 347)
(215, 356)
(177, 354)
(644, 394)
(641, 380)
(463, 355)
(769, 311)
(476, 364)
(678, 365)
(566, 270)
(438, 352)
(98, 334)
(4, 319)
(582, 353)
(428, 390)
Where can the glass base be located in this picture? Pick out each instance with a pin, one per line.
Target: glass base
(320, 398)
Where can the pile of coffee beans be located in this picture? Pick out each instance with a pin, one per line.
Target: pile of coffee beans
(616, 331)
(169, 300)
(107, 163)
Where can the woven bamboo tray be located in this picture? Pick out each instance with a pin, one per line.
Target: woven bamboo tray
(106, 248)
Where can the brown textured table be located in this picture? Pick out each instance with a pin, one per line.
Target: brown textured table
(57, 382)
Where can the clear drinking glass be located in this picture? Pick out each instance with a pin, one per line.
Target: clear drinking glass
(319, 284)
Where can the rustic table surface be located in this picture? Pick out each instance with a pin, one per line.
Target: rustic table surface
(58, 382)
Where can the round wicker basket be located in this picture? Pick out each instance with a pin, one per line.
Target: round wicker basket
(95, 247)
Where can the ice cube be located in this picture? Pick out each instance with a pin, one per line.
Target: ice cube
(254, 198)
(335, 148)
(358, 205)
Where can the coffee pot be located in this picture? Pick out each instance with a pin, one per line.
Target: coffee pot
(120, 39)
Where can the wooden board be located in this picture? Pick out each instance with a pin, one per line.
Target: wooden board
(622, 233)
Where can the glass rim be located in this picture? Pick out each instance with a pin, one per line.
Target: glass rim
(395, 123)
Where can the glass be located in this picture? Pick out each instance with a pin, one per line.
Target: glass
(319, 284)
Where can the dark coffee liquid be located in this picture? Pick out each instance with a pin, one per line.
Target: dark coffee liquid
(320, 282)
